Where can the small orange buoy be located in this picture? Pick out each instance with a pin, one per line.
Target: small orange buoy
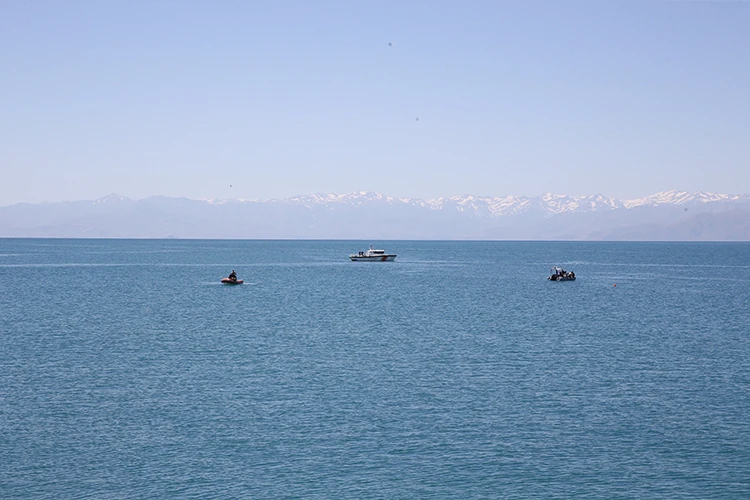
(615, 284)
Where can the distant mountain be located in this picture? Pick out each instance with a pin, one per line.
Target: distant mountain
(671, 215)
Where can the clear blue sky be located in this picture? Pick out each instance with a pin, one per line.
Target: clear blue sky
(407, 98)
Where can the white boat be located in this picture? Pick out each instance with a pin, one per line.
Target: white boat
(373, 255)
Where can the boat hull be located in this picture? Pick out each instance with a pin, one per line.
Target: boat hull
(227, 281)
(374, 258)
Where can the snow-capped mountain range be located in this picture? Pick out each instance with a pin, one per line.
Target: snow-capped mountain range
(670, 215)
(550, 204)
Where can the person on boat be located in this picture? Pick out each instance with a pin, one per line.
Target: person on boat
(233, 275)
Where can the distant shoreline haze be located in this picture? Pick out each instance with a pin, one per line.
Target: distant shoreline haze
(664, 216)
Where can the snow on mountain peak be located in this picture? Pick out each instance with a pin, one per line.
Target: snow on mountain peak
(110, 199)
(675, 197)
(547, 205)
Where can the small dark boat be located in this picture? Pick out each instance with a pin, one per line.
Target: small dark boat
(558, 274)
(228, 281)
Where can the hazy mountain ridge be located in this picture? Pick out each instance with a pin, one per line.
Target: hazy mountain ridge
(670, 215)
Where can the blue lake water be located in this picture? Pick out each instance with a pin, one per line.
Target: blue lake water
(458, 371)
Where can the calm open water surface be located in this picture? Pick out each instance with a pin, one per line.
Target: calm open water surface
(458, 371)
